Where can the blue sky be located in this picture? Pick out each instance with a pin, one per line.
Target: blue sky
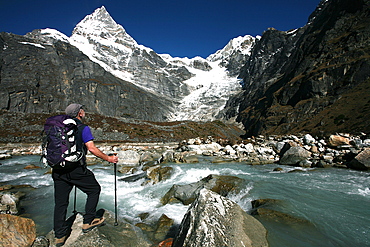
(183, 28)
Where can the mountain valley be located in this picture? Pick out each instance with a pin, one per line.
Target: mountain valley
(313, 79)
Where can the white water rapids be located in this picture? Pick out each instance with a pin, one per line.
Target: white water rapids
(335, 201)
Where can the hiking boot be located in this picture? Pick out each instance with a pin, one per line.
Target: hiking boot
(60, 241)
(95, 223)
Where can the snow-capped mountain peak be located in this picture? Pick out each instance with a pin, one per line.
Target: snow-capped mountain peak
(241, 44)
(105, 42)
(101, 24)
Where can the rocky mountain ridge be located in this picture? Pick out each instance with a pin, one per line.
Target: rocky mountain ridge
(315, 78)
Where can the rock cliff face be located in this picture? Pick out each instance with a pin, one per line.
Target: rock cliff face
(44, 78)
(315, 78)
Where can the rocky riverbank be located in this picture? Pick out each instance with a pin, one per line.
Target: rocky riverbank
(339, 150)
(148, 160)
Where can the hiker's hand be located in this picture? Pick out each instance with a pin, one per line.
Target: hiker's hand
(113, 159)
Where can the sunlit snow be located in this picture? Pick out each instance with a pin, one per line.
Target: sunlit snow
(37, 45)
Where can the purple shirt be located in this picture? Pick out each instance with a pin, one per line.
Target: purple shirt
(87, 135)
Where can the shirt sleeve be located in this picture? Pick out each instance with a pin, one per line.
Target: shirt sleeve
(87, 135)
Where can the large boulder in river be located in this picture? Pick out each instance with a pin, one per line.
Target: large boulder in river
(187, 193)
(16, 231)
(213, 220)
(295, 156)
(361, 161)
(158, 173)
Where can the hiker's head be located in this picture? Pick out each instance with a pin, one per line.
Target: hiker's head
(75, 110)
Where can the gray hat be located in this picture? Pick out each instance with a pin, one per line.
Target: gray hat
(73, 109)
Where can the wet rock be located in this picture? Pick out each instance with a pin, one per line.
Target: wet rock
(220, 184)
(6, 187)
(5, 156)
(278, 216)
(185, 157)
(322, 164)
(213, 220)
(264, 203)
(361, 161)
(296, 170)
(31, 167)
(168, 156)
(9, 202)
(163, 227)
(158, 173)
(127, 169)
(16, 231)
(134, 177)
(266, 210)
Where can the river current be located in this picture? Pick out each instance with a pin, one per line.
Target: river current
(333, 203)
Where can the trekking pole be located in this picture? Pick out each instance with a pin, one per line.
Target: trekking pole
(74, 204)
(115, 192)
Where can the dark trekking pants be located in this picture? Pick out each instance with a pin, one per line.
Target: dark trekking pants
(83, 179)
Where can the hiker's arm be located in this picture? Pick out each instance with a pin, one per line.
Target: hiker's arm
(96, 151)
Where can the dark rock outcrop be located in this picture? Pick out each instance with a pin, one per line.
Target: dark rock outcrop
(311, 79)
(213, 220)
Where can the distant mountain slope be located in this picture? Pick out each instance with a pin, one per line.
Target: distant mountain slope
(314, 79)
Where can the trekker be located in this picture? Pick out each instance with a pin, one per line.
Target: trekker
(79, 176)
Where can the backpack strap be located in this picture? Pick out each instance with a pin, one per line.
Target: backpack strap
(79, 142)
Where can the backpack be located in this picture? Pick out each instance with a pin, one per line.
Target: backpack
(60, 146)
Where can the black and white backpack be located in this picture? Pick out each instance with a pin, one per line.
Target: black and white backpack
(60, 143)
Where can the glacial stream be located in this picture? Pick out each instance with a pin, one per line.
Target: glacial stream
(334, 204)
